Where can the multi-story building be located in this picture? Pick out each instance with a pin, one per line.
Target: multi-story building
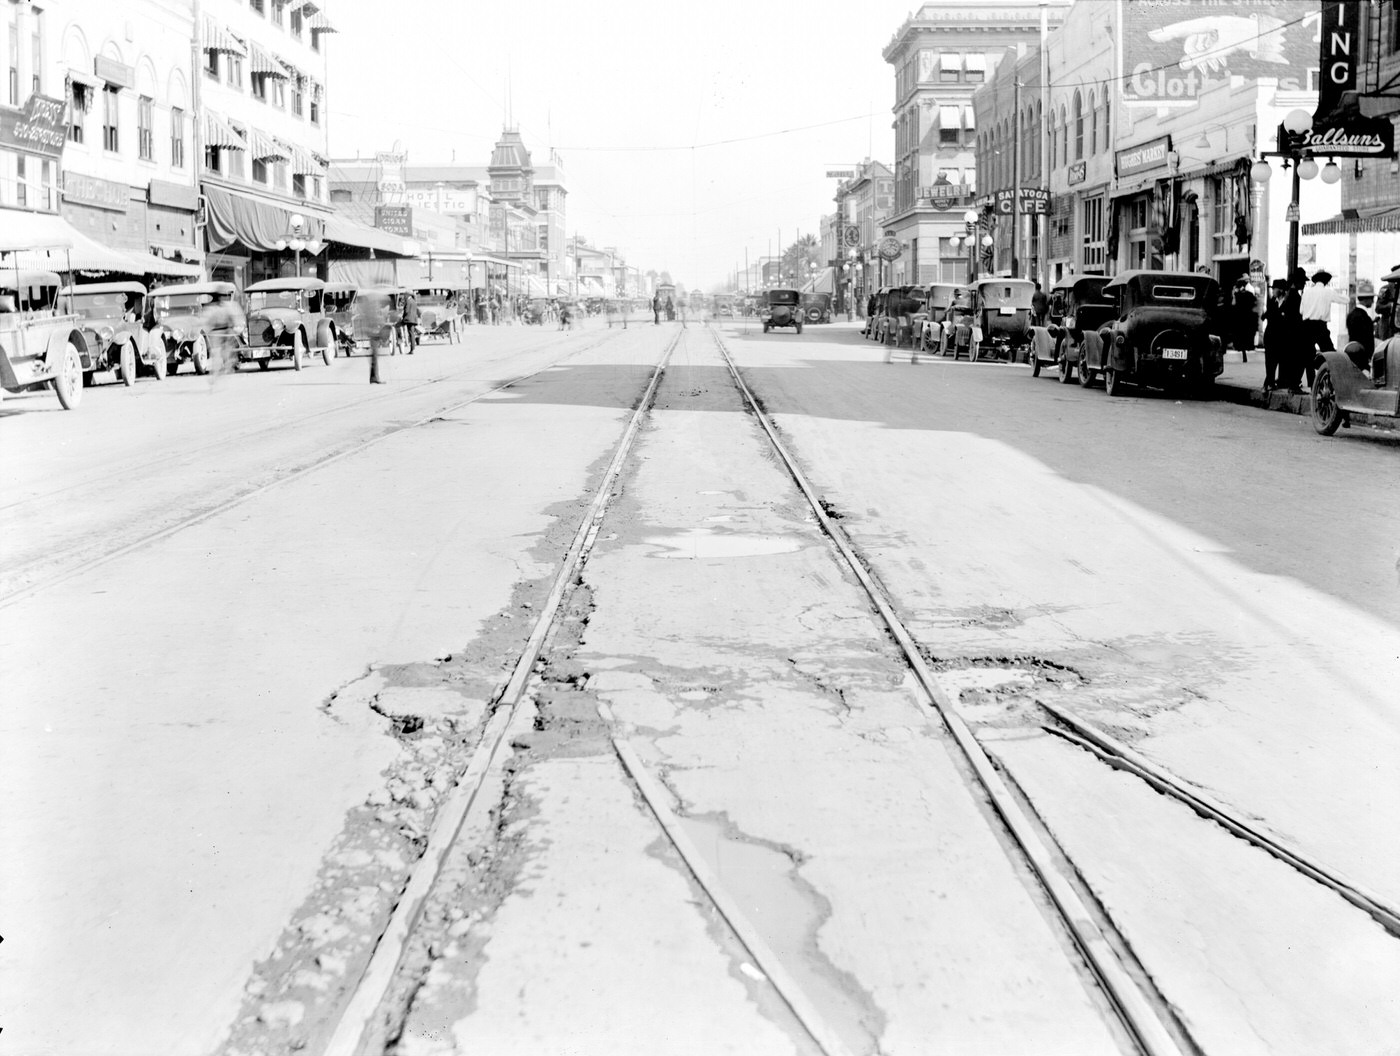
(941, 55)
(863, 203)
(1370, 201)
(32, 125)
(129, 176)
(261, 88)
(1013, 197)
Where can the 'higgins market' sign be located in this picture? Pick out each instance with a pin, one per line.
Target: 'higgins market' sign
(1174, 50)
(1149, 155)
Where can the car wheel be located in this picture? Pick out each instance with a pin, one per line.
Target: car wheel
(1086, 373)
(1113, 382)
(1066, 367)
(1327, 413)
(126, 364)
(298, 350)
(68, 382)
(158, 364)
(328, 351)
(1035, 364)
(199, 355)
(974, 349)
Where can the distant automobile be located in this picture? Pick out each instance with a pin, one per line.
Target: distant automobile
(112, 315)
(781, 308)
(287, 320)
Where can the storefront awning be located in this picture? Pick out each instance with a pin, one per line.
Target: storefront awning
(217, 38)
(347, 232)
(319, 23)
(486, 258)
(1380, 221)
(87, 80)
(254, 222)
(47, 242)
(219, 133)
(305, 162)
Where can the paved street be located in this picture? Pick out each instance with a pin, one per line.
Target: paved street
(256, 626)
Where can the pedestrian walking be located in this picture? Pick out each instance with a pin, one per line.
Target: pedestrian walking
(225, 323)
(1281, 324)
(410, 321)
(656, 309)
(372, 319)
(1245, 318)
(1040, 305)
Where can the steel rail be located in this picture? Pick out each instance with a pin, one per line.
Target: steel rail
(1118, 755)
(44, 583)
(1134, 1007)
(359, 1021)
(281, 425)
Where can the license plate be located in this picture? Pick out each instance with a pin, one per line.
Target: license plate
(1006, 311)
(1173, 353)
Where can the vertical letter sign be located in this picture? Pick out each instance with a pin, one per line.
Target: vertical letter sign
(1339, 128)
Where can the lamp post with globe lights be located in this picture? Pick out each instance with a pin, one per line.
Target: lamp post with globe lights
(295, 239)
(1290, 148)
(970, 237)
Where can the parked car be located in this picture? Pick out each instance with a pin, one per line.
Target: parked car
(39, 345)
(996, 319)
(339, 304)
(1078, 305)
(113, 317)
(287, 320)
(938, 298)
(873, 328)
(781, 308)
(902, 307)
(1164, 333)
(1341, 387)
(438, 313)
(176, 321)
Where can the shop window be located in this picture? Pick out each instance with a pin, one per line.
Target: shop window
(1092, 256)
(259, 171)
(299, 185)
(145, 128)
(1138, 214)
(111, 139)
(177, 138)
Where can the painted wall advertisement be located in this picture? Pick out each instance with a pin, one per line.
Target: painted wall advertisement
(1175, 50)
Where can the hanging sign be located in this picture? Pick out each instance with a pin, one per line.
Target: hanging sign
(1339, 128)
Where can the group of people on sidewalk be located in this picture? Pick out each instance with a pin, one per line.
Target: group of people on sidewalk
(1297, 326)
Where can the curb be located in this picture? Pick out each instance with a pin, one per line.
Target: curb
(1288, 403)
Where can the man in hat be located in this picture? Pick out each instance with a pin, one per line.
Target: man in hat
(1244, 318)
(1281, 333)
(1316, 307)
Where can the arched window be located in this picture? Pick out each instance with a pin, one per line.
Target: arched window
(1093, 124)
(1064, 136)
(1039, 136)
(1107, 135)
(1078, 127)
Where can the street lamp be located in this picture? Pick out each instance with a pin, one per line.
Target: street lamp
(296, 241)
(970, 237)
(1291, 149)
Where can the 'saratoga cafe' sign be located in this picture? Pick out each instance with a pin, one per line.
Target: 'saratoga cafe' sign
(1339, 128)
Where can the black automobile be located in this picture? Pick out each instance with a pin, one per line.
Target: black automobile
(781, 308)
(1164, 333)
(1078, 305)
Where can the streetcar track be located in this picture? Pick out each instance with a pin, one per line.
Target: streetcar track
(11, 596)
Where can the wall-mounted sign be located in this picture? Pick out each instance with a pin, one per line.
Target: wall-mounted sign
(391, 181)
(1174, 52)
(1078, 172)
(173, 195)
(396, 219)
(113, 72)
(840, 174)
(1034, 201)
(851, 237)
(1149, 155)
(37, 129)
(1339, 128)
(890, 248)
(100, 194)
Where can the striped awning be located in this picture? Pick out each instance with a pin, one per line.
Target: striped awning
(306, 7)
(218, 133)
(265, 63)
(319, 23)
(262, 147)
(217, 38)
(305, 163)
(1384, 220)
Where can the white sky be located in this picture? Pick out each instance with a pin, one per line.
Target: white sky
(633, 96)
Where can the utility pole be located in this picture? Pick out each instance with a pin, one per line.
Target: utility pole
(1016, 176)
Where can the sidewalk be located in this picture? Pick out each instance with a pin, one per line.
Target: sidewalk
(1243, 383)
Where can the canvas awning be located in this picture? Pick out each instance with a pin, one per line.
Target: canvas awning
(347, 232)
(217, 38)
(319, 23)
(305, 162)
(220, 134)
(47, 242)
(535, 286)
(1379, 221)
(950, 117)
(255, 222)
(265, 63)
(262, 147)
